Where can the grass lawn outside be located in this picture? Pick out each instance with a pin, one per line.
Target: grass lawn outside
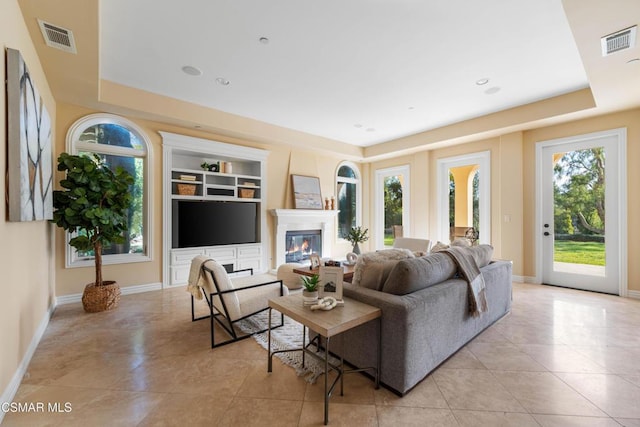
(388, 240)
(590, 253)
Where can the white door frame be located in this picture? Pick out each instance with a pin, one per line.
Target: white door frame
(381, 174)
(483, 160)
(620, 169)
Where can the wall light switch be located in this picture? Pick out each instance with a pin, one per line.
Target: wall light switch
(507, 218)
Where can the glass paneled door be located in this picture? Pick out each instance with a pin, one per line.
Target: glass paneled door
(392, 205)
(581, 215)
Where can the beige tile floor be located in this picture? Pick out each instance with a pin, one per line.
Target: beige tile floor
(561, 358)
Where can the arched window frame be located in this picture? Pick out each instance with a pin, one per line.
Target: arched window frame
(74, 145)
(358, 183)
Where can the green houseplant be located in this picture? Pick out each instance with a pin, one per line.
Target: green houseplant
(93, 204)
(310, 292)
(357, 235)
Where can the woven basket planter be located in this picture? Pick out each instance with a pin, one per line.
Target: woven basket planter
(101, 298)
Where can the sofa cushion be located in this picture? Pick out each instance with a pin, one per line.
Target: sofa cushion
(414, 274)
(372, 268)
(482, 254)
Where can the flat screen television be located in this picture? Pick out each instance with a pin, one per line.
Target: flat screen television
(209, 223)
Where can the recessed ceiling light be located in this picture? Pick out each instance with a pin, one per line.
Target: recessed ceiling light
(492, 90)
(482, 82)
(371, 130)
(222, 81)
(631, 61)
(192, 71)
(412, 108)
(263, 40)
(357, 125)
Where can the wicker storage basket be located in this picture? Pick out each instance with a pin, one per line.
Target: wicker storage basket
(247, 193)
(186, 189)
(101, 298)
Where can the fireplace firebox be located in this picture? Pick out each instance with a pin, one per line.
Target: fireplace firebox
(302, 243)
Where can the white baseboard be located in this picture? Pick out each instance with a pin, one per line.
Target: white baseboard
(12, 388)
(531, 279)
(633, 294)
(73, 298)
(518, 279)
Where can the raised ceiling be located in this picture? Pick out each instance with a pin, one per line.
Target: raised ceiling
(374, 77)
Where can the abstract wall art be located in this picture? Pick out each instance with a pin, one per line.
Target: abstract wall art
(30, 166)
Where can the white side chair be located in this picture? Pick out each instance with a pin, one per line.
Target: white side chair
(414, 245)
(231, 300)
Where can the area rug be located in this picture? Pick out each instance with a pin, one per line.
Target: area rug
(286, 337)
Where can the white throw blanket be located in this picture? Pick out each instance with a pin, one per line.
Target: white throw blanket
(196, 276)
(469, 270)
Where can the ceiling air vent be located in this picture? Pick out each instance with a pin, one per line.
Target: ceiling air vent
(621, 40)
(58, 37)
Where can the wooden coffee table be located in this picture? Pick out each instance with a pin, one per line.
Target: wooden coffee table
(327, 324)
(347, 276)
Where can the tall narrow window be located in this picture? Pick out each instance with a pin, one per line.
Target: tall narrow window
(119, 143)
(348, 195)
(392, 193)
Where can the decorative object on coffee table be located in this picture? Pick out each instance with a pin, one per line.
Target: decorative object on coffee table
(315, 261)
(306, 192)
(93, 206)
(357, 235)
(310, 292)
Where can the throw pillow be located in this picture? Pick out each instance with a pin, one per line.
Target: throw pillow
(372, 268)
(482, 254)
(461, 241)
(439, 247)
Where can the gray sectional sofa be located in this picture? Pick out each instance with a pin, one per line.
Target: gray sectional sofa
(425, 317)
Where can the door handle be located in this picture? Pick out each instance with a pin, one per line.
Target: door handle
(546, 233)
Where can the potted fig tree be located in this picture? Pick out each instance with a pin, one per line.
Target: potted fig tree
(93, 207)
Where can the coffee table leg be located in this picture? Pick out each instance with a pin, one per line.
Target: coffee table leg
(304, 337)
(269, 343)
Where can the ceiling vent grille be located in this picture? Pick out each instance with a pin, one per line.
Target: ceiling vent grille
(58, 37)
(621, 40)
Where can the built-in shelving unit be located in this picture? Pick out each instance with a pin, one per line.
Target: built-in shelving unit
(243, 179)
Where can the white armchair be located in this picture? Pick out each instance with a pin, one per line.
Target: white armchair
(230, 300)
(414, 245)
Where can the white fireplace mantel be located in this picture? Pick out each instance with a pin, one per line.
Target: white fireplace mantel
(303, 219)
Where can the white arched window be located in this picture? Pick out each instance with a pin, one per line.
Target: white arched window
(118, 142)
(349, 198)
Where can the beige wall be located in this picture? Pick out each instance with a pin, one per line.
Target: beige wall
(283, 160)
(626, 119)
(506, 191)
(27, 283)
(419, 198)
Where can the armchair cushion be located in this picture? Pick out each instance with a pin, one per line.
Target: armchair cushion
(418, 246)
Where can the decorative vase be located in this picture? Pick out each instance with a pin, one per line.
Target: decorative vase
(309, 298)
(101, 298)
(356, 249)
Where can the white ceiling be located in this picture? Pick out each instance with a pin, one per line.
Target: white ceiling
(357, 71)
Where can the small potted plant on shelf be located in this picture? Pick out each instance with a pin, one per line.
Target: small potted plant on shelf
(93, 204)
(357, 235)
(310, 292)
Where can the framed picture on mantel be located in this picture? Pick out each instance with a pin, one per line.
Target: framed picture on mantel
(306, 192)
